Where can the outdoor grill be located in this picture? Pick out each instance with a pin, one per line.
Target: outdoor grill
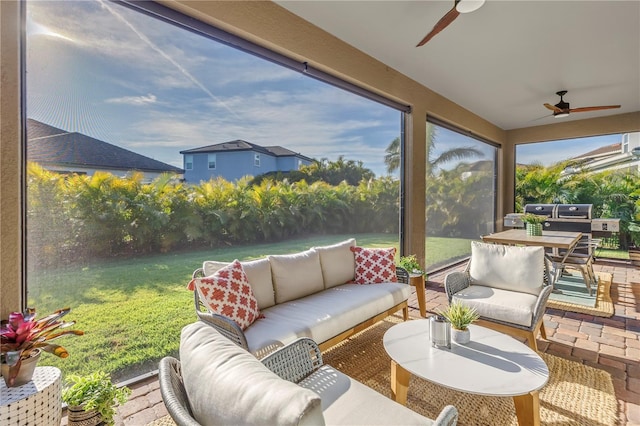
(567, 217)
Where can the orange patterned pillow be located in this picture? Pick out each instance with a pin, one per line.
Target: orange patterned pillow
(227, 292)
(375, 265)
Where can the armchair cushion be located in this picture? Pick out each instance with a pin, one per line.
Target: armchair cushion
(337, 262)
(519, 269)
(502, 305)
(259, 276)
(296, 275)
(227, 385)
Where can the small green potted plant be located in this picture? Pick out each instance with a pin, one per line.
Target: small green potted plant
(460, 316)
(411, 265)
(534, 223)
(92, 399)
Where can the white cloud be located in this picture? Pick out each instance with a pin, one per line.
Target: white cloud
(133, 100)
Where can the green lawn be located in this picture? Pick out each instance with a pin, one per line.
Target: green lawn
(132, 310)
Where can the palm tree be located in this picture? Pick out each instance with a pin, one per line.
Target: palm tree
(392, 158)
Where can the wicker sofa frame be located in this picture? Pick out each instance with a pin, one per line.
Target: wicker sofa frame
(293, 362)
(233, 332)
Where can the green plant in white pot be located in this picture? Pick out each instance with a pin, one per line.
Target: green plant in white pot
(411, 265)
(92, 399)
(460, 316)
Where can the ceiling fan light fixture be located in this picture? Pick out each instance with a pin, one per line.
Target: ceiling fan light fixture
(466, 6)
(560, 114)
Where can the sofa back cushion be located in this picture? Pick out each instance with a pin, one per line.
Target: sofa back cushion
(296, 275)
(507, 267)
(259, 276)
(226, 385)
(337, 262)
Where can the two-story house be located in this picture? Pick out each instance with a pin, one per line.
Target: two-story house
(235, 159)
(71, 152)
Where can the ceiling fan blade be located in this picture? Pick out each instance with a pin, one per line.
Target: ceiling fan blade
(441, 25)
(594, 108)
(553, 108)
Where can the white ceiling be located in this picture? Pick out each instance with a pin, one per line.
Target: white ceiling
(506, 59)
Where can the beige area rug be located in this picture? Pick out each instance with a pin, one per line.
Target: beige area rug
(576, 394)
(604, 304)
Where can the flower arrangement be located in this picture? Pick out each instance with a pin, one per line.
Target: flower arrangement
(459, 315)
(534, 218)
(22, 335)
(410, 264)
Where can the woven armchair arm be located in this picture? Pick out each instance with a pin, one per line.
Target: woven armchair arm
(402, 274)
(454, 282)
(541, 304)
(173, 393)
(448, 417)
(296, 360)
(227, 327)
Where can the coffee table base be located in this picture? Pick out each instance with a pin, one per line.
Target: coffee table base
(527, 406)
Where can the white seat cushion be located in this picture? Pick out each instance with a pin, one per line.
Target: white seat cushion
(259, 277)
(338, 263)
(226, 385)
(323, 315)
(296, 275)
(504, 305)
(346, 401)
(507, 267)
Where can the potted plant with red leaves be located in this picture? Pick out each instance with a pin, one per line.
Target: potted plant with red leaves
(23, 337)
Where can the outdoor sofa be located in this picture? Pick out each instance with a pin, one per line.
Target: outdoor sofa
(218, 383)
(310, 294)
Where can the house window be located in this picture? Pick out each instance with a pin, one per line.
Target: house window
(188, 162)
(299, 164)
(625, 143)
(256, 160)
(212, 161)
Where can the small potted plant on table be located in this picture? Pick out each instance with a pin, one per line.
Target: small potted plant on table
(22, 338)
(534, 223)
(417, 278)
(92, 400)
(460, 316)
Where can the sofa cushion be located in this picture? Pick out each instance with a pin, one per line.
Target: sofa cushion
(346, 401)
(296, 275)
(324, 315)
(374, 265)
(507, 267)
(227, 292)
(259, 276)
(337, 262)
(226, 385)
(503, 305)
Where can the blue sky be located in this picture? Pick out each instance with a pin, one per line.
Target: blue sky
(100, 69)
(119, 76)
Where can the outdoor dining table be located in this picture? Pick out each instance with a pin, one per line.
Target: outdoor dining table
(556, 240)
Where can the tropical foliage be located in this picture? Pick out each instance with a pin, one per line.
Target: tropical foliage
(332, 172)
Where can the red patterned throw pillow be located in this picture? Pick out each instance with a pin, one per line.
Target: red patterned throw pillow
(375, 265)
(227, 292)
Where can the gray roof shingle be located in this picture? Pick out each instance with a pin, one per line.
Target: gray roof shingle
(240, 145)
(50, 145)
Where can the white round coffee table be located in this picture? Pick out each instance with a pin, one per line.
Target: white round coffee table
(491, 364)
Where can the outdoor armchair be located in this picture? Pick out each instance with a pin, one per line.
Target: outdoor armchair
(509, 287)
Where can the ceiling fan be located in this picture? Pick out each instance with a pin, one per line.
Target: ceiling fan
(562, 109)
(460, 6)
